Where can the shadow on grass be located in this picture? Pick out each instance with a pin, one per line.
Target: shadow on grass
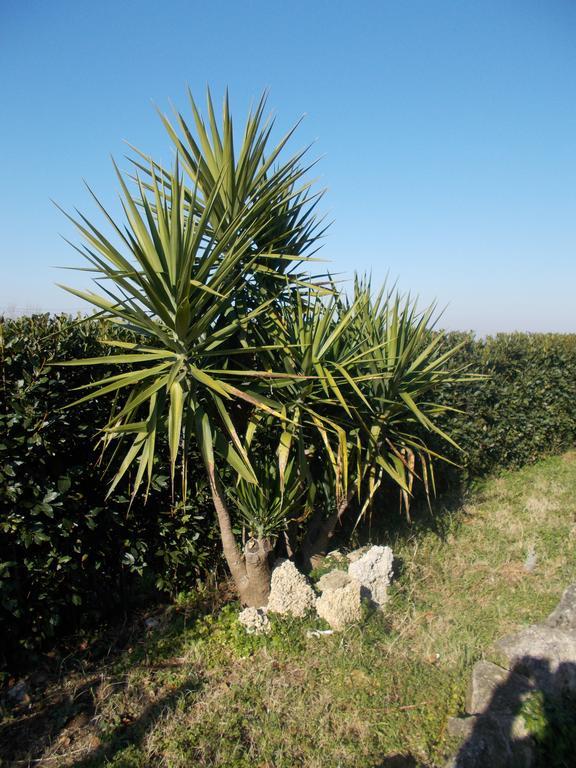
(39, 736)
(546, 702)
(55, 722)
(134, 733)
(34, 732)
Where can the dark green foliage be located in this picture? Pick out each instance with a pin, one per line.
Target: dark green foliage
(522, 410)
(68, 555)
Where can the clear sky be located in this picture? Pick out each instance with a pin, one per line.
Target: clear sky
(447, 130)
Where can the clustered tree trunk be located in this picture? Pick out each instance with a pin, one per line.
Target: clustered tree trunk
(251, 567)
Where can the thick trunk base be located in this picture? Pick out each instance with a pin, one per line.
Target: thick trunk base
(255, 588)
(251, 569)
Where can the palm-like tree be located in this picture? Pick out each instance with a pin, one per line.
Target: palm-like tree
(239, 351)
(190, 274)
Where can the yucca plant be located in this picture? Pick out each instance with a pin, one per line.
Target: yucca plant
(317, 421)
(189, 274)
(308, 397)
(392, 369)
(267, 508)
(272, 193)
(359, 404)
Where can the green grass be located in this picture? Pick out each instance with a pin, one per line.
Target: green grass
(200, 692)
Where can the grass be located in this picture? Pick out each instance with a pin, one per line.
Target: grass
(198, 691)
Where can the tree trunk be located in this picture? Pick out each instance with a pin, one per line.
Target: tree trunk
(229, 546)
(257, 555)
(251, 570)
(319, 536)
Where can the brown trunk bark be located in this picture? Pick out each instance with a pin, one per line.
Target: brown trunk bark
(257, 555)
(229, 546)
(315, 545)
(291, 540)
(251, 570)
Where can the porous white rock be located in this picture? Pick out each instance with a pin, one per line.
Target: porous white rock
(374, 572)
(290, 593)
(341, 607)
(254, 620)
(333, 580)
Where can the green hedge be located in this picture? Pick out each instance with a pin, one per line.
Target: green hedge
(523, 409)
(68, 555)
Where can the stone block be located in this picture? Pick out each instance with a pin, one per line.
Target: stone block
(546, 655)
(341, 607)
(564, 615)
(496, 689)
(333, 580)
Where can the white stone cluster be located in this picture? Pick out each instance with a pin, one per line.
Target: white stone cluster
(341, 606)
(340, 602)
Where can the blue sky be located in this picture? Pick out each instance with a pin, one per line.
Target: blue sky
(447, 131)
